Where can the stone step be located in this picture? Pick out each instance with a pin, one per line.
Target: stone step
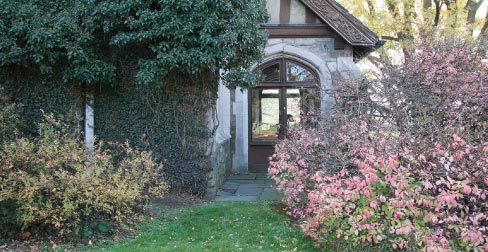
(248, 187)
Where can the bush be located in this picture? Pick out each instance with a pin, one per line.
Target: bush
(403, 160)
(53, 185)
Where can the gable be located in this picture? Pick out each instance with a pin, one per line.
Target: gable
(349, 27)
(320, 18)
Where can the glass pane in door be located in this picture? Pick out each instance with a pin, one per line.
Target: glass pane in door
(309, 106)
(272, 73)
(293, 110)
(301, 106)
(265, 118)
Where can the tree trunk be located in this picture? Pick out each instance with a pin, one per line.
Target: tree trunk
(437, 12)
(472, 6)
(483, 34)
(371, 7)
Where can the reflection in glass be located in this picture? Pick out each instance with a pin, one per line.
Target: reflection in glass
(272, 73)
(265, 114)
(293, 101)
(296, 73)
(301, 105)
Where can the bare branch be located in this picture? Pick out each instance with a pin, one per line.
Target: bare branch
(390, 38)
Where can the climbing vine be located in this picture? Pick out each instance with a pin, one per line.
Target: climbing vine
(171, 120)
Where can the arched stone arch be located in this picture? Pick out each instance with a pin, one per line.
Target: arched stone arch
(307, 58)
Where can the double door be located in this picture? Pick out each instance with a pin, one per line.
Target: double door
(273, 112)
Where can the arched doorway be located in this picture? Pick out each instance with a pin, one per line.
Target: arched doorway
(287, 95)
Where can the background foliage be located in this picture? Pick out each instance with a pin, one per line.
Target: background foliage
(402, 21)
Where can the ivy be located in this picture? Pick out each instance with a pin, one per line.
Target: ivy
(169, 120)
(63, 101)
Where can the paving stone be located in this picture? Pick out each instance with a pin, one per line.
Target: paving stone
(230, 186)
(251, 176)
(262, 176)
(248, 181)
(249, 191)
(224, 193)
(271, 194)
(259, 184)
(248, 187)
(236, 198)
(270, 182)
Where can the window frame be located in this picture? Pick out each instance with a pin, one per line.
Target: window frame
(283, 74)
(282, 85)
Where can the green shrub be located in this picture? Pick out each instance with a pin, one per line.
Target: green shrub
(56, 185)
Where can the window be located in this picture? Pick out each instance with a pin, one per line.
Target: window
(287, 98)
(293, 73)
(272, 73)
(296, 73)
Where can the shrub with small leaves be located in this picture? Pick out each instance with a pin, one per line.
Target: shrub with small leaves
(403, 160)
(55, 184)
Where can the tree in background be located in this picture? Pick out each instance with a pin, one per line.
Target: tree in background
(401, 21)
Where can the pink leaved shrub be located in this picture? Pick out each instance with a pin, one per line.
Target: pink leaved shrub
(402, 160)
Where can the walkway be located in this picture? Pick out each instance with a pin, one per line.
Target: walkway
(248, 187)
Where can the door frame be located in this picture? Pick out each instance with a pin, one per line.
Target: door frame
(282, 85)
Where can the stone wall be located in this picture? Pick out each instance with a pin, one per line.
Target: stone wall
(221, 152)
(221, 164)
(296, 12)
(240, 115)
(338, 61)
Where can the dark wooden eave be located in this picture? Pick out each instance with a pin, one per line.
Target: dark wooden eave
(299, 30)
(363, 40)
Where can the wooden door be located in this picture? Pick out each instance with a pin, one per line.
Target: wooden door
(278, 104)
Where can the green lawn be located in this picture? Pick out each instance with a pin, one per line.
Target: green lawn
(228, 226)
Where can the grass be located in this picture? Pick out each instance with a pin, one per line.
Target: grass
(226, 226)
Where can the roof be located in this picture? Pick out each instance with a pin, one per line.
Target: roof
(346, 25)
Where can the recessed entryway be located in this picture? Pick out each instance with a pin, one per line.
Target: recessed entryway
(285, 99)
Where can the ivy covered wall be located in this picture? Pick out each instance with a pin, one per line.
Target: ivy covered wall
(170, 120)
(39, 94)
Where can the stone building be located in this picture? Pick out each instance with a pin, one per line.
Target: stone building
(311, 44)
